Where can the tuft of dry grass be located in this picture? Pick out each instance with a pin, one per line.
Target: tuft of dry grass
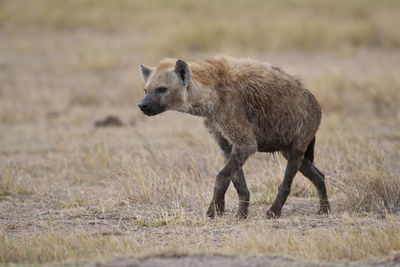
(372, 191)
(15, 180)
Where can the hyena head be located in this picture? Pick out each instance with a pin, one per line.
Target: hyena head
(165, 87)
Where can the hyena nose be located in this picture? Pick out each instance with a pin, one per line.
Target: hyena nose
(143, 106)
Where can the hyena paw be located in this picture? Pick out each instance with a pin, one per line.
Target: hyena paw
(242, 213)
(324, 209)
(215, 208)
(272, 214)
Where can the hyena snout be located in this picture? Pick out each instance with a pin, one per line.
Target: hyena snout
(150, 107)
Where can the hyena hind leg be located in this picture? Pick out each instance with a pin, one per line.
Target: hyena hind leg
(294, 162)
(318, 179)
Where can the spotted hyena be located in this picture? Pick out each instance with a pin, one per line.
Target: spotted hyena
(248, 106)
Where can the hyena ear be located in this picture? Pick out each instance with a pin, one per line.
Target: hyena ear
(183, 71)
(145, 71)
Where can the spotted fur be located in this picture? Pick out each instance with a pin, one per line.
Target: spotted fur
(248, 106)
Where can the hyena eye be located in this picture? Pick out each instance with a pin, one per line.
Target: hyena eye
(161, 90)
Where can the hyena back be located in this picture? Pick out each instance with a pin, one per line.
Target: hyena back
(248, 106)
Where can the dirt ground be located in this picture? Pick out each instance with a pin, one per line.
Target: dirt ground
(207, 260)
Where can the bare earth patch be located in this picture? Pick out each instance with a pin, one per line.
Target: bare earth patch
(204, 260)
(232, 261)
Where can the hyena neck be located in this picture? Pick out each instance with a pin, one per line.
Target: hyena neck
(199, 100)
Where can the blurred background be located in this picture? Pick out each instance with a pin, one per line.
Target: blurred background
(59, 55)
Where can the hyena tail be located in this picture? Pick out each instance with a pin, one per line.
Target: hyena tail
(309, 154)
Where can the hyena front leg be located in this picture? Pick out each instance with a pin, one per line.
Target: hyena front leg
(238, 179)
(238, 156)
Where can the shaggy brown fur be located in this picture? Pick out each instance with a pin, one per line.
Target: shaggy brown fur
(248, 106)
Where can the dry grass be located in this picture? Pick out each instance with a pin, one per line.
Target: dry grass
(53, 246)
(348, 244)
(378, 93)
(72, 192)
(250, 26)
(14, 179)
(338, 244)
(372, 191)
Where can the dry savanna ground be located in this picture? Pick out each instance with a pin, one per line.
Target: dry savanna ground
(78, 194)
